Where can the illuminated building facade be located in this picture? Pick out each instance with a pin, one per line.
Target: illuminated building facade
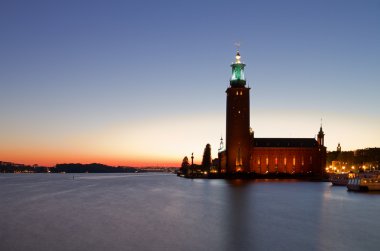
(246, 154)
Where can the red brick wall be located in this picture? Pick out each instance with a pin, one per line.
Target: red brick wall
(237, 129)
(302, 165)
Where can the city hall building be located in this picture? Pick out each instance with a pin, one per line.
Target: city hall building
(245, 154)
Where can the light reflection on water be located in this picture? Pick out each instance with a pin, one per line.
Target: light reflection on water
(164, 212)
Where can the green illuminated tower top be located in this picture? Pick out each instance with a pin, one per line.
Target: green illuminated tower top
(237, 78)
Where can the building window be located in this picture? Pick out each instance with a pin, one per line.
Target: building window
(294, 160)
(267, 161)
(259, 162)
(241, 93)
(285, 161)
(276, 161)
(237, 93)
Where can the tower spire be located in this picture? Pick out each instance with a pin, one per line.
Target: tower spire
(321, 136)
(221, 145)
(237, 57)
(237, 77)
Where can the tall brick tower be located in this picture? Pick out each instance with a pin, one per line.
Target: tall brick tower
(237, 126)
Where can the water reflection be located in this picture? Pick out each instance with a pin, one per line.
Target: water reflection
(164, 212)
(347, 221)
(238, 216)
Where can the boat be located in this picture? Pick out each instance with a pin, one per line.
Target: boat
(366, 182)
(341, 179)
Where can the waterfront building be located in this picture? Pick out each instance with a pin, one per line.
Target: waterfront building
(245, 154)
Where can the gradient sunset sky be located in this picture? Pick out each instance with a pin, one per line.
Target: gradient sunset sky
(143, 82)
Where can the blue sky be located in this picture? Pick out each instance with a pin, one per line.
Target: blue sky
(144, 81)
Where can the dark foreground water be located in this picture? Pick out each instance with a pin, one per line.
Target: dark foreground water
(164, 212)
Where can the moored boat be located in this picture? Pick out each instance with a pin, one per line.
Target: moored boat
(364, 183)
(339, 179)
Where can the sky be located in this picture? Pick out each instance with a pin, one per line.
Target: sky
(142, 83)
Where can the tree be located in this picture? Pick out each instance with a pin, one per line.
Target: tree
(206, 160)
(185, 165)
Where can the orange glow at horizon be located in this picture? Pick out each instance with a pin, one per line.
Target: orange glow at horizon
(164, 141)
(51, 159)
(153, 143)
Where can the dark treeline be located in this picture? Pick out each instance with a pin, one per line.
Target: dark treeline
(9, 167)
(91, 168)
(193, 170)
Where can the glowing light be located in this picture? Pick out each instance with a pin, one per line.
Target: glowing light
(237, 58)
(237, 69)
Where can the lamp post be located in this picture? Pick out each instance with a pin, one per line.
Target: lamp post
(192, 163)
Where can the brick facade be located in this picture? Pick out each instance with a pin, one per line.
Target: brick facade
(292, 160)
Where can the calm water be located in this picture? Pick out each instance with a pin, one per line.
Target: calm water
(164, 212)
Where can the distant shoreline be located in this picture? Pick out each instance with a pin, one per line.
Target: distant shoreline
(9, 167)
